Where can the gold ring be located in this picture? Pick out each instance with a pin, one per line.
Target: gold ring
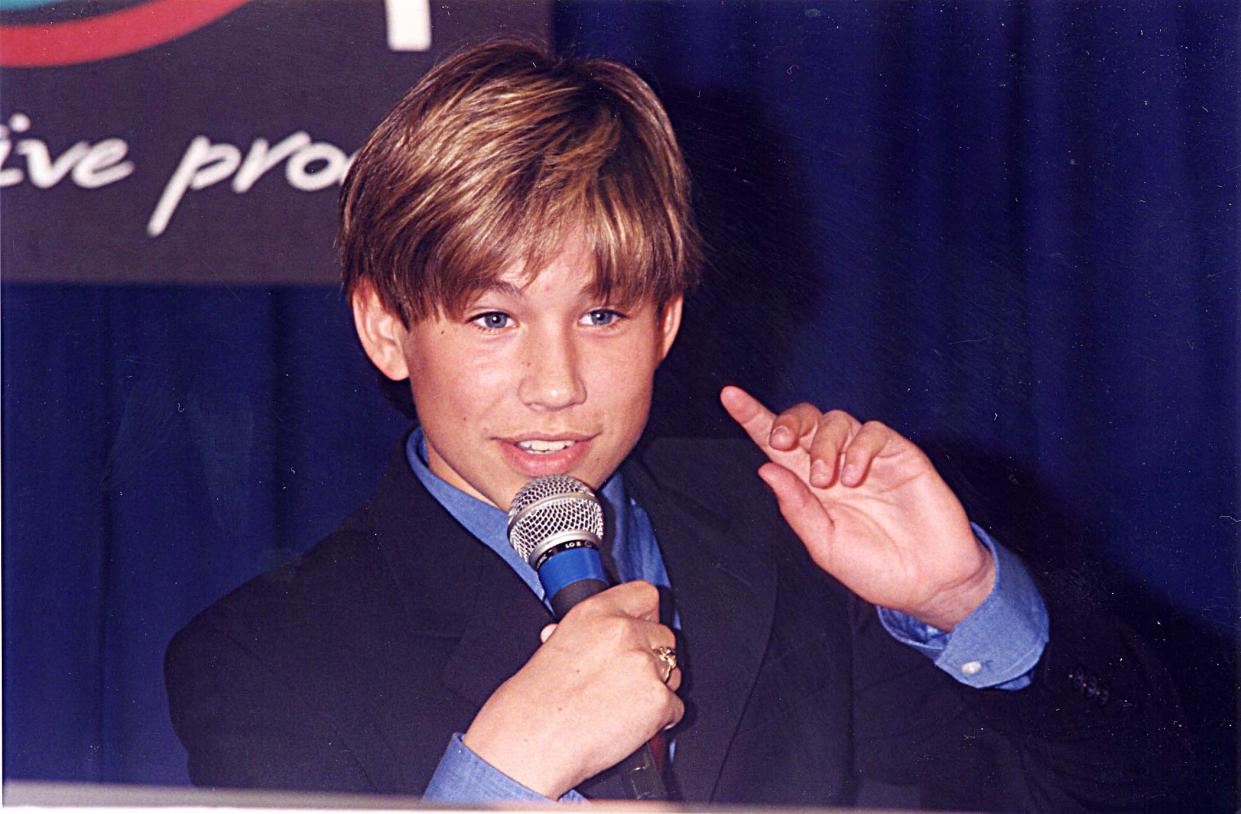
(668, 658)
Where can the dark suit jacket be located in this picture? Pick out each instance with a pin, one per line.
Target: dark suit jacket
(349, 668)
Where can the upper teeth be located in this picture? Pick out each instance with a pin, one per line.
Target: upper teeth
(544, 446)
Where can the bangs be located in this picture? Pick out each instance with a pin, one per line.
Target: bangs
(632, 259)
(507, 167)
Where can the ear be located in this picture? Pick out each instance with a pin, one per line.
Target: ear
(669, 324)
(381, 332)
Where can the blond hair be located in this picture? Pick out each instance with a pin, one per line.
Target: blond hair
(499, 155)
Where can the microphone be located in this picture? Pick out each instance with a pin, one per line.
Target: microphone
(555, 524)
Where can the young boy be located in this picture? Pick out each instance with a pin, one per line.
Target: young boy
(517, 242)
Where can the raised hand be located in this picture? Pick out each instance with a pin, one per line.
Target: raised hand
(870, 508)
(587, 699)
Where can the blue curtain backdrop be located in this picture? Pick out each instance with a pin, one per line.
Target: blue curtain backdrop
(1009, 231)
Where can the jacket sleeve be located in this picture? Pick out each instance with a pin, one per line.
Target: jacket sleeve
(241, 723)
(1098, 729)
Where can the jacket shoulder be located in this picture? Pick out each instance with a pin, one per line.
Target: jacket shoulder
(713, 471)
(310, 675)
(320, 582)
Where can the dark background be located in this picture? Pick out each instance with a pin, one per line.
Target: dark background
(1007, 230)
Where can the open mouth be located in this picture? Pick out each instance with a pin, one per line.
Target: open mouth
(544, 447)
(548, 455)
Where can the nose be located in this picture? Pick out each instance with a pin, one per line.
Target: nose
(551, 376)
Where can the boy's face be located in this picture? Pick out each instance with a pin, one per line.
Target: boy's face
(532, 380)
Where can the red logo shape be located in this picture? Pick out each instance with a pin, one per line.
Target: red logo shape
(107, 35)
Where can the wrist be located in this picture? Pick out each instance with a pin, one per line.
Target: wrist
(961, 597)
(518, 759)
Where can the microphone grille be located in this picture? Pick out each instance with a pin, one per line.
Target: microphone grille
(551, 509)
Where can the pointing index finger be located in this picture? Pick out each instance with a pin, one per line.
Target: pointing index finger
(750, 413)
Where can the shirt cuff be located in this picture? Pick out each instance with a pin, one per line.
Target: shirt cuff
(464, 777)
(999, 644)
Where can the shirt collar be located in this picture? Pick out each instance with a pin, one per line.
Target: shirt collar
(490, 525)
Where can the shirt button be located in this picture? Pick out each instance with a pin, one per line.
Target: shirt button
(971, 668)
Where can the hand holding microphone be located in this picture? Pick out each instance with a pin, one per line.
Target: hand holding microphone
(604, 681)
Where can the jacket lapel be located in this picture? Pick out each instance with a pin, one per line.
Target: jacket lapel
(451, 584)
(480, 600)
(725, 594)
(501, 634)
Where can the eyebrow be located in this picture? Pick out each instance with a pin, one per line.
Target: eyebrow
(497, 286)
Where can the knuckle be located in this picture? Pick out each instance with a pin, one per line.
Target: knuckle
(839, 419)
(646, 690)
(662, 696)
(633, 663)
(645, 591)
(826, 439)
(677, 711)
(797, 416)
(577, 613)
(614, 629)
(599, 603)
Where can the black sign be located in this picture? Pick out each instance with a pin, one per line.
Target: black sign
(203, 141)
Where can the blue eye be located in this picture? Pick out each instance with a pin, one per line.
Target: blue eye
(492, 320)
(601, 317)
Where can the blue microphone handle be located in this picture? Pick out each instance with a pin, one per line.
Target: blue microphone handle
(569, 577)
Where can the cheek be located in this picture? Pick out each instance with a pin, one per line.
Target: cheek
(483, 381)
(623, 380)
(447, 417)
(457, 388)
